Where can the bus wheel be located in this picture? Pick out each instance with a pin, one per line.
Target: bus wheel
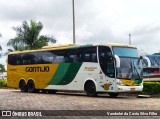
(52, 91)
(44, 91)
(23, 86)
(31, 87)
(113, 95)
(90, 89)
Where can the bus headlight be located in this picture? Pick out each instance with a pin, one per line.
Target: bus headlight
(120, 83)
(140, 84)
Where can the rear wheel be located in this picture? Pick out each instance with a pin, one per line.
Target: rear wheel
(90, 89)
(31, 87)
(113, 95)
(23, 86)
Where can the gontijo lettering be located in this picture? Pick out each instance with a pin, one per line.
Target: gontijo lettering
(37, 69)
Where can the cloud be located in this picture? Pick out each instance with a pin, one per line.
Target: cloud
(96, 20)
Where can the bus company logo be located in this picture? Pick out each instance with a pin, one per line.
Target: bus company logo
(90, 68)
(6, 113)
(37, 69)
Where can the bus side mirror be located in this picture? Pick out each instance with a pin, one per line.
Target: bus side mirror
(141, 57)
(148, 61)
(117, 61)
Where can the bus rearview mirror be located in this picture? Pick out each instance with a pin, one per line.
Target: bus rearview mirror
(117, 61)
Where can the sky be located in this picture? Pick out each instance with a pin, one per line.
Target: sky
(96, 21)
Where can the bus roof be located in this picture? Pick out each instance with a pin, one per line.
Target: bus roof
(70, 46)
(118, 44)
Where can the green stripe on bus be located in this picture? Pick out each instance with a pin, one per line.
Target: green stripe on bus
(138, 81)
(65, 73)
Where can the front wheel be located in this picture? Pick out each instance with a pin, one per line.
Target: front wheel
(90, 89)
(113, 95)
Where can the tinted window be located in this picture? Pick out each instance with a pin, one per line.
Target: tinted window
(12, 59)
(106, 61)
(155, 60)
(89, 54)
(125, 51)
(47, 57)
(57, 56)
(73, 55)
(144, 63)
(28, 58)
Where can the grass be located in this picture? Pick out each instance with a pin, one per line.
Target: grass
(3, 83)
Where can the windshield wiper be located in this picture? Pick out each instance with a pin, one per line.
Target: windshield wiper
(136, 70)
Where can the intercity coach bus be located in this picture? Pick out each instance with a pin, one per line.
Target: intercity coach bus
(103, 68)
(151, 68)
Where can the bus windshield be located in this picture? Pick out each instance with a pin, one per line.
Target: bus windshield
(130, 64)
(125, 51)
(155, 60)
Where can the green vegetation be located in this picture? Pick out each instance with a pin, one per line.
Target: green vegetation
(3, 83)
(151, 88)
(2, 69)
(28, 37)
(156, 53)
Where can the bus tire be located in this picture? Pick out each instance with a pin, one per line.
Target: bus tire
(44, 91)
(23, 86)
(52, 91)
(31, 86)
(113, 95)
(90, 89)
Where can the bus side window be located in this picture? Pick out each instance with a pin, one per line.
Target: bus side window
(77, 58)
(38, 58)
(18, 62)
(87, 57)
(68, 59)
(47, 57)
(18, 59)
(59, 56)
(73, 56)
(89, 54)
(25, 59)
(94, 57)
(12, 59)
(26, 62)
(28, 58)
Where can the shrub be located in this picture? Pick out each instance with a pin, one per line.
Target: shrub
(152, 88)
(3, 83)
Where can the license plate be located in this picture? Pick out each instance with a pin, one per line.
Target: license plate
(132, 89)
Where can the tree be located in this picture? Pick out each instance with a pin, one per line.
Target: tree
(156, 53)
(2, 69)
(28, 37)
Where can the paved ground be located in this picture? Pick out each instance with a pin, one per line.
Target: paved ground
(12, 99)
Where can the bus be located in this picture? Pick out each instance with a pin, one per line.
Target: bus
(94, 68)
(151, 68)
